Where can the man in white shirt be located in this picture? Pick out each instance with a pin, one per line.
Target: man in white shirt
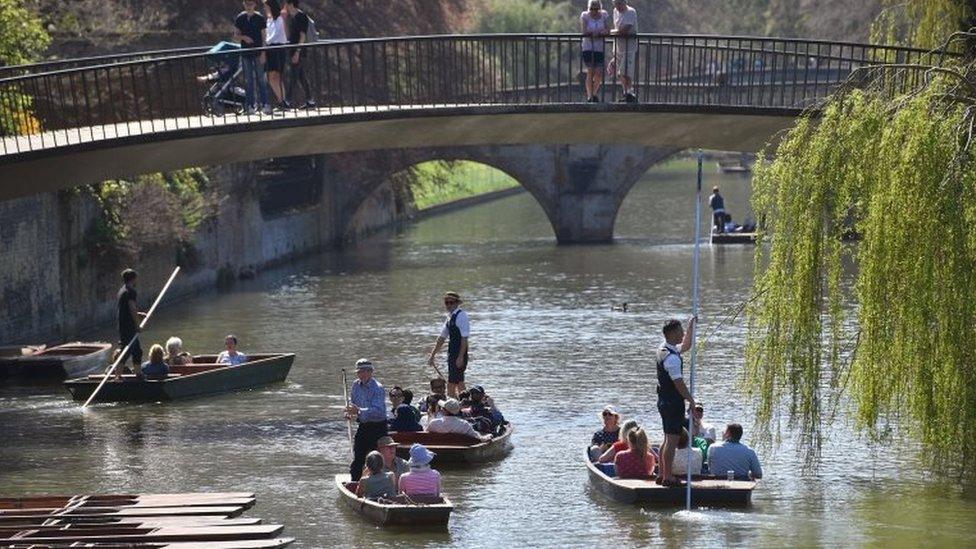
(451, 422)
(456, 331)
(625, 47)
(702, 429)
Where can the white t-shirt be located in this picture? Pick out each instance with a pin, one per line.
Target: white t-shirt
(706, 431)
(621, 19)
(276, 31)
(680, 465)
(452, 424)
(225, 358)
(593, 25)
(672, 363)
(462, 323)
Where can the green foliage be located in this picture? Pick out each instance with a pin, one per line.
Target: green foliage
(22, 36)
(440, 182)
(525, 16)
(920, 23)
(900, 174)
(152, 210)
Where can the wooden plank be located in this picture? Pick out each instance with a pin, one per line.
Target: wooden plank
(54, 506)
(187, 522)
(274, 543)
(224, 511)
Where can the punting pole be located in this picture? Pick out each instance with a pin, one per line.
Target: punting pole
(694, 334)
(345, 394)
(125, 351)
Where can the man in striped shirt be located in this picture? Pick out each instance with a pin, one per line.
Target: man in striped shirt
(368, 407)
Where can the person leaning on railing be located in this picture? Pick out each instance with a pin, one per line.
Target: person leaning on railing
(250, 29)
(298, 34)
(595, 25)
(625, 47)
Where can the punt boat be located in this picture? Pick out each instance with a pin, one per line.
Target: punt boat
(104, 513)
(242, 544)
(190, 522)
(203, 377)
(454, 449)
(63, 361)
(245, 499)
(713, 492)
(142, 535)
(733, 238)
(400, 511)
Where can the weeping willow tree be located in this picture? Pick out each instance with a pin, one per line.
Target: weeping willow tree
(889, 322)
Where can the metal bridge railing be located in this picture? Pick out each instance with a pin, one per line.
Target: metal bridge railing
(41, 108)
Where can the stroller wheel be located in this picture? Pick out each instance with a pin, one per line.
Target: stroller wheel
(212, 106)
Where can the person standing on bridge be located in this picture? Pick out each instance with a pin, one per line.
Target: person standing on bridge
(297, 35)
(717, 204)
(129, 318)
(250, 29)
(456, 331)
(595, 25)
(625, 47)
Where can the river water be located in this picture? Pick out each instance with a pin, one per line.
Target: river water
(545, 344)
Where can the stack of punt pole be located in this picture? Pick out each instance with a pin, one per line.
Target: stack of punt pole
(173, 521)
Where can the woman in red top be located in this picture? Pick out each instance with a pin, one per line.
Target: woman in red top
(636, 462)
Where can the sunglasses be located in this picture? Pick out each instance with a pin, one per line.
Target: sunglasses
(609, 414)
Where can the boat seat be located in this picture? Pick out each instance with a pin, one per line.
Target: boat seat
(434, 439)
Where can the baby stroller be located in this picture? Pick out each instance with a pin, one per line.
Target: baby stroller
(225, 95)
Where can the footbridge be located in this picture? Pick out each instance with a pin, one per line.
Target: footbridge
(79, 121)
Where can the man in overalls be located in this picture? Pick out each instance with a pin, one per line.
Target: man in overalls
(456, 331)
(672, 393)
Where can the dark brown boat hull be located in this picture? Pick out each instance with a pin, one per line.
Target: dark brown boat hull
(459, 451)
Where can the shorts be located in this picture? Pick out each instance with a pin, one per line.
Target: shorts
(626, 63)
(276, 60)
(593, 59)
(455, 374)
(672, 416)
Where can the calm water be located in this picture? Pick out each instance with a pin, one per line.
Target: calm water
(544, 343)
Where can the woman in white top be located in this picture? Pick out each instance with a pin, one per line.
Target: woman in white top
(277, 36)
(595, 25)
(680, 465)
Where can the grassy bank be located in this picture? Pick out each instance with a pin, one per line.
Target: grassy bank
(443, 182)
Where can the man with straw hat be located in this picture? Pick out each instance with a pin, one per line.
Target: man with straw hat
(456, 330)
(367, 405)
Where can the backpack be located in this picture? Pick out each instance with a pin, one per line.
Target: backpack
(312, 34)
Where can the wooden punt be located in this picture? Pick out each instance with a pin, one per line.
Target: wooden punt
(146, 535)
(129, 500)
(60, 362)
(242, 544)
(452, 449)
(203, 377)
(40, 506)
(130, 523)
(13, 515)
(710, 492)
(415, 513)
(733, 238)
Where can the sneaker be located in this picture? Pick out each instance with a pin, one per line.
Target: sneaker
(595, 99)
(591, 99)
(251, 110)
(310, 104)
(284, 106)
(267, 109)
(630, 98)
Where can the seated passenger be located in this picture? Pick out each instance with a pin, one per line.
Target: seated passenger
(732, 455)
(175, 355)
(433, 410)
(438, 387)
(375, 482)
(483, 401)
(485, 418)
(621, 444)
(392, 463)
(231, 355)
(680, 465)
(156, 367)
(605, 437)
(421, 480)
(729, 226)
(405, 417)
(636, 462)
(452, 422)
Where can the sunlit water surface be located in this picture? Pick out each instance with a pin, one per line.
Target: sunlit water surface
(545, 343)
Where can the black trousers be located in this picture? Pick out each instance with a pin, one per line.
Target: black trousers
(367, 435)
(297, 76)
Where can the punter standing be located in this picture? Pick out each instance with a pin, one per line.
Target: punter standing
(456, 331)
(129, 318)
(368, 407)
(672, 393)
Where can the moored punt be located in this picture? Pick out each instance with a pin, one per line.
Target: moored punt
(203, 377)
(129, 500)
(244, 503)
(195, 522)
(400, 511)
(274, 543)
(453, 449)
(704, 491)
(13, 515)
(69, 360)
(146, 535)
